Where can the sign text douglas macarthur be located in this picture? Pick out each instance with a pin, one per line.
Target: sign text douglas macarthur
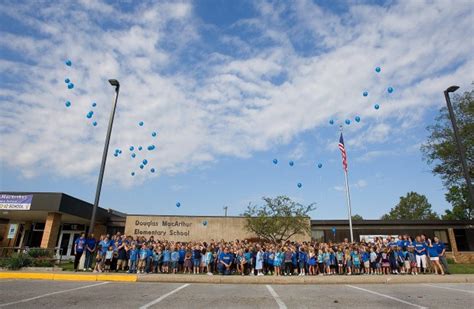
(162, 228)
(188, 228)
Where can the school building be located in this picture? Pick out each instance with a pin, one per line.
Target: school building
(55, 220)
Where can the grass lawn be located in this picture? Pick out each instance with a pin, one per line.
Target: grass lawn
(67, 266)
(461, 268)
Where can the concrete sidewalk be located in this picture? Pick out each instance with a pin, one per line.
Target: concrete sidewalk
(180, 278)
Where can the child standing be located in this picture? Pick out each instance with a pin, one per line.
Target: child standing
(174, 260)
(109, 255)
(166, 260)
(132, 261)
(302, 257)
(142, 257)
(188, 264)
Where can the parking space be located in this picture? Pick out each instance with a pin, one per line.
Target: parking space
(60, 294)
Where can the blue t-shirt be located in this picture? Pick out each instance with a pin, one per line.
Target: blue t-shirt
(166, 256)
(226, 258)
(91, 242)
(247, 255)
(80, 244)
(433, 251)
(133, 254)
(174, 256)
(439, 246)
(419, 246)
(365, 256)
(143, 254)
(182, 254)
(302, 257)
(196, 254)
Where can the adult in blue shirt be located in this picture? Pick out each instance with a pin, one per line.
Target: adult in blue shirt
(420, 253)
(79, 246)
(225, 262)
(441, 248)
(91, 245)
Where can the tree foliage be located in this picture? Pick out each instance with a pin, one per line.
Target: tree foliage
(413, 206)
(357, 217)
(462, 210)
(278, 219)
(441, 151)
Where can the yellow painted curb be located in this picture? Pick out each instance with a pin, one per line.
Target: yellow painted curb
(41, 276)
(75, 277)
(121, 278)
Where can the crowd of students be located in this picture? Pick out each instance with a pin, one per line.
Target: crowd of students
(400, 255)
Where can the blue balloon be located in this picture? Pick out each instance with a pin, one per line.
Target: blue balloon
(357, 119)
(67, 80)
(376, 106)
(152, 170)
(94, 123)
(94, 104)
(68, 62)
(117, 150)
(204, 222)
(365, 93)
(140, 148)
(275, 161)
(153, 134)
(320, 165)
(68, 103)
(120, 151)
(133, 173)
(348, 122)
(70, 85)
(151, 147)
(89, 114)
(331, 121)
(390, 89)
(299, 185)
(142, 166)
(377, 69)
(178, 204)
(116, 154)
(133, 155)
(145, 161)
(141, 123)
(132, 148)
(291, 163)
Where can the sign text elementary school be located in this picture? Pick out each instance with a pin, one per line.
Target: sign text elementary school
(190, 228)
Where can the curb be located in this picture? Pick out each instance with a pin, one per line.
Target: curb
(216, 279)
(68, 277)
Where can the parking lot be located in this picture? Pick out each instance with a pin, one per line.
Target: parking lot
(60, 294)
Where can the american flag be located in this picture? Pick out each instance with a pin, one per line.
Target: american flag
(343, 153)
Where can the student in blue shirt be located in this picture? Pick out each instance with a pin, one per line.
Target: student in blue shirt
(441, 253)
(91, 245)
(133, 258)
(434, 257)
(182, 254)
(196, 259)
(174, 260)
(79, 246)
(166, 260)
(225, 262)
(302, 257)
(142, 257)
(420, 254)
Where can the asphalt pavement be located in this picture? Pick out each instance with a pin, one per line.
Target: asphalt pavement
(73, 294)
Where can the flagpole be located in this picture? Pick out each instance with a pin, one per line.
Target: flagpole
(348, 199)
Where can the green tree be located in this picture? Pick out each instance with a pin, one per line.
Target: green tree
(458, 197)
(441, 152)
(357, 217)
(278, 219)
(413, 206)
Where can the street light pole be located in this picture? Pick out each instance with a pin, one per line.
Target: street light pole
(225, 211)
(116, 84)
(462, 155)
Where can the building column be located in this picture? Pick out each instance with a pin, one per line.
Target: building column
(51, 230)
(452, 242)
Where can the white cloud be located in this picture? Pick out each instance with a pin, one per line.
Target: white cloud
(206, 104)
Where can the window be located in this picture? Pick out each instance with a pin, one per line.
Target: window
(443, 237)
(317, 235)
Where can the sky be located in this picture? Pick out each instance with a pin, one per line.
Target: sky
(228, 86)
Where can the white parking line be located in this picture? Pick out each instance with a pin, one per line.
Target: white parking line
(53, 293)
(448, 288)
(156, 301)
(386, 296)
(277, 298)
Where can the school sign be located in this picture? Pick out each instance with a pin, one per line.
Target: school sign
(189, 228)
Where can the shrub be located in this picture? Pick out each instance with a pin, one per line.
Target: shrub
(43, 262)
(40, 253)
(18, 260)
